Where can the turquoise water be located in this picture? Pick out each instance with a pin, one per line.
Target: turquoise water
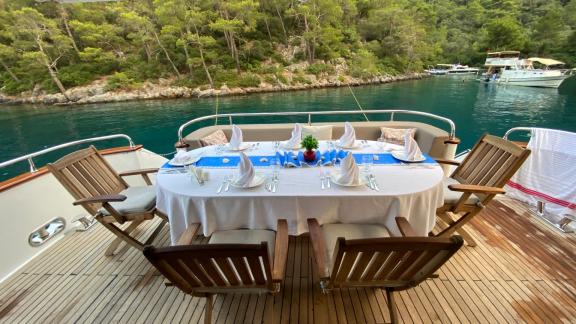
(475, 108)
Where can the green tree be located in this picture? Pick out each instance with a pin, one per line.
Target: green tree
(237, 17)
(41, 41)
(503, 34)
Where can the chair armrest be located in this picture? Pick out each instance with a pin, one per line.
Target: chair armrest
(319, 246)
(137, 172)
(454, 140)
(450, 162)
(521, 144)
(143, 172)
(405, 227)
(189, 234)
(280, 251)
(476, 189)
(99, 199)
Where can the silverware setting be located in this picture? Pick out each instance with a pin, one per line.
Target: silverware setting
(372, 179)
(324, 180)
(225, 185)
(275, 182)
(272, 185)
(371, 182)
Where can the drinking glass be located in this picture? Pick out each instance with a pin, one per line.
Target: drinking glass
(367, 161)
(275, 163)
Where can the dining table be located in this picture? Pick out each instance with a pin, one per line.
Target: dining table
(389, 188)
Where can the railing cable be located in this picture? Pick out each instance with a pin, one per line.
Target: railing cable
(357, 102)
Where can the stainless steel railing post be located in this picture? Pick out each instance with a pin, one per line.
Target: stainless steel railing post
(32, 165)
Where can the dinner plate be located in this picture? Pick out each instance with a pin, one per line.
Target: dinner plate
(258, 180)
(187, 161)
(284, 146)
(400, 156)
(356, 145)
(335, 178)
(243, 146)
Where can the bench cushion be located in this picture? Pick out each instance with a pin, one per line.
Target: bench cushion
(395, 135)
(139, 199)
(321, 133)
(218, 137)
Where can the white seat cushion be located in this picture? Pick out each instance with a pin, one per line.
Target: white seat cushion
(452, 197)
(139, 199)
(245, 236)
(321, 133)
(350, 232)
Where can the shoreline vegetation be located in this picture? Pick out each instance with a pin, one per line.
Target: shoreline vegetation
(96, 92)
(56, 52)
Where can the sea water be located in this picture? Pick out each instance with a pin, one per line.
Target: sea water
(475, 108)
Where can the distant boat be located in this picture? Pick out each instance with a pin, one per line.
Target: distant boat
(508, 68)
(452, 69)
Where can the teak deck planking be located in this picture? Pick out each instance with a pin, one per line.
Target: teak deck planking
(521, 271)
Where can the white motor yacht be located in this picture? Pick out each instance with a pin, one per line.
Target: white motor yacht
(508, 68)
(452, 69)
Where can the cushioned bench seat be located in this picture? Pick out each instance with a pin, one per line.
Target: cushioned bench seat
(431, 139)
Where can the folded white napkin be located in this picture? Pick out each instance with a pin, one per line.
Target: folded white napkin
(236, 138)
(183, 157)
(296, 138)
(245, 171)
(411, 150)
(349, 171)
(349, 137)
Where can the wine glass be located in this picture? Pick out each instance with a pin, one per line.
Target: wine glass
(367, 161)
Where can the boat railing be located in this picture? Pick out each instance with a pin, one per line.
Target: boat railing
(29, 157)
(310, 114)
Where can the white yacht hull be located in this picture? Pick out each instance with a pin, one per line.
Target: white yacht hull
(29, 205)
(533, 78)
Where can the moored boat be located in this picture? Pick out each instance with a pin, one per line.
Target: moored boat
(452, 69)
(508, 68)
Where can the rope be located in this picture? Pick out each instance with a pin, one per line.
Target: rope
(358, 103)
(216, 111)
(166, 154)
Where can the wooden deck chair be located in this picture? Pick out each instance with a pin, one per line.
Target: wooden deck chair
(362, 256)
(105, 195)
(476, 181)
(233, 261)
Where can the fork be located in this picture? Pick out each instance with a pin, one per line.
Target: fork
(275, 182)
(227, 185)
(372, 179)
(322, 179)
(222, 185)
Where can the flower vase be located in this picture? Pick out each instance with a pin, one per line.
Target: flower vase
(309, 155)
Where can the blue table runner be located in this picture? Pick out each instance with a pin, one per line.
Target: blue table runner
(292, 159)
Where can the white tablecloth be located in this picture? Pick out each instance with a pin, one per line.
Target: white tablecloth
(411, 191)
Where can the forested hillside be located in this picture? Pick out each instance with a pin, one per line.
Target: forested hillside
(51, 47)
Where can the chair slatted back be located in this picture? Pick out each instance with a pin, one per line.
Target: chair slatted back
(492, 162)
(212, 268)
(85, 173)
(399, 263)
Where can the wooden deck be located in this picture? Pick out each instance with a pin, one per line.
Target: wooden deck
(521, 271)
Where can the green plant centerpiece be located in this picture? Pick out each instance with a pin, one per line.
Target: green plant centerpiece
(309, 143)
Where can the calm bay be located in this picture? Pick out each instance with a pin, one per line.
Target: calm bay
(476, 108)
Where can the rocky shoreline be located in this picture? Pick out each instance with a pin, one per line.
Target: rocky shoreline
(96, 91)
